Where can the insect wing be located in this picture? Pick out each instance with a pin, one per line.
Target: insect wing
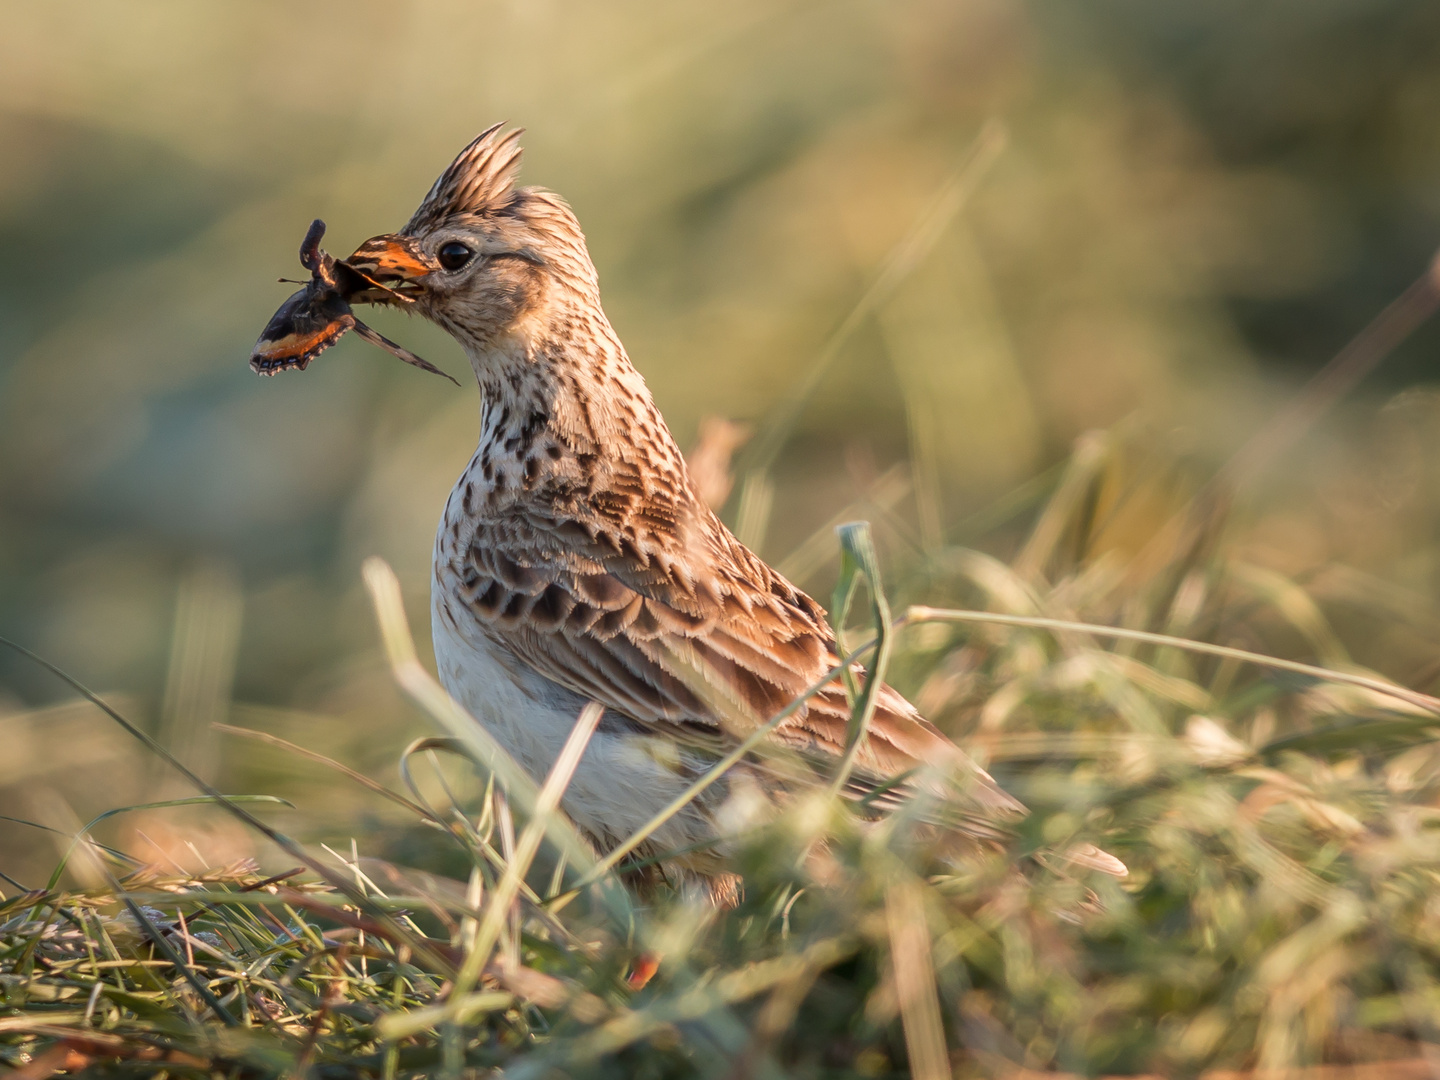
(377, 338)
(305, 326)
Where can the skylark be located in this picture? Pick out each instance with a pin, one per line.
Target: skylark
(575, 560)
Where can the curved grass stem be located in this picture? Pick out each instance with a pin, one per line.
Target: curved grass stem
(921, 614)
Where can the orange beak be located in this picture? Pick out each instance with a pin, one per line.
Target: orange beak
(393, 261)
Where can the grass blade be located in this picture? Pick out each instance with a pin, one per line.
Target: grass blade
(915, 982)
(921, 614)
(858, 557)
(503, 896)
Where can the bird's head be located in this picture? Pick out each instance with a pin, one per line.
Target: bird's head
(483, 258)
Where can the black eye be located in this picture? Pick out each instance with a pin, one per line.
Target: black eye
(454, 255)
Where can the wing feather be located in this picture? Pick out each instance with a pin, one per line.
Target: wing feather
(680, 635)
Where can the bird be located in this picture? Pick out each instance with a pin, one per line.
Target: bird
(575, 560)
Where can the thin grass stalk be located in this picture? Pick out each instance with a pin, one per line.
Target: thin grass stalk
(510, 944)
(361, 882)
(330, 763)
(508, 888)
(920, 614)
(114, 853)
(429, 744)
(557, 878)
(914, 977)
(1075, 483)
(475, 834)
(847, 582)
(860, 558)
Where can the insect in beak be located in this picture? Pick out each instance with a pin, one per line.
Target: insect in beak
(317, 316)
(391, 263)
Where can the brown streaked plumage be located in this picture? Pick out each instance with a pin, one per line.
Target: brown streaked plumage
(575, 559)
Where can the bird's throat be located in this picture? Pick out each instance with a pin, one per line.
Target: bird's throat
(558, 406)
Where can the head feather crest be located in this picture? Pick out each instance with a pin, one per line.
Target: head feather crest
(479, 180)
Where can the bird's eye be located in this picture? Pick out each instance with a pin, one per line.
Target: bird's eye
(454, 255)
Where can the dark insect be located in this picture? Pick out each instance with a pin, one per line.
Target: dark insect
(318, 315)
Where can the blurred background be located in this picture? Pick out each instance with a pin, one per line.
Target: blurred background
(1143, 216)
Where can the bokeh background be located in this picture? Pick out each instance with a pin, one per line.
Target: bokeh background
(1150, 217)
